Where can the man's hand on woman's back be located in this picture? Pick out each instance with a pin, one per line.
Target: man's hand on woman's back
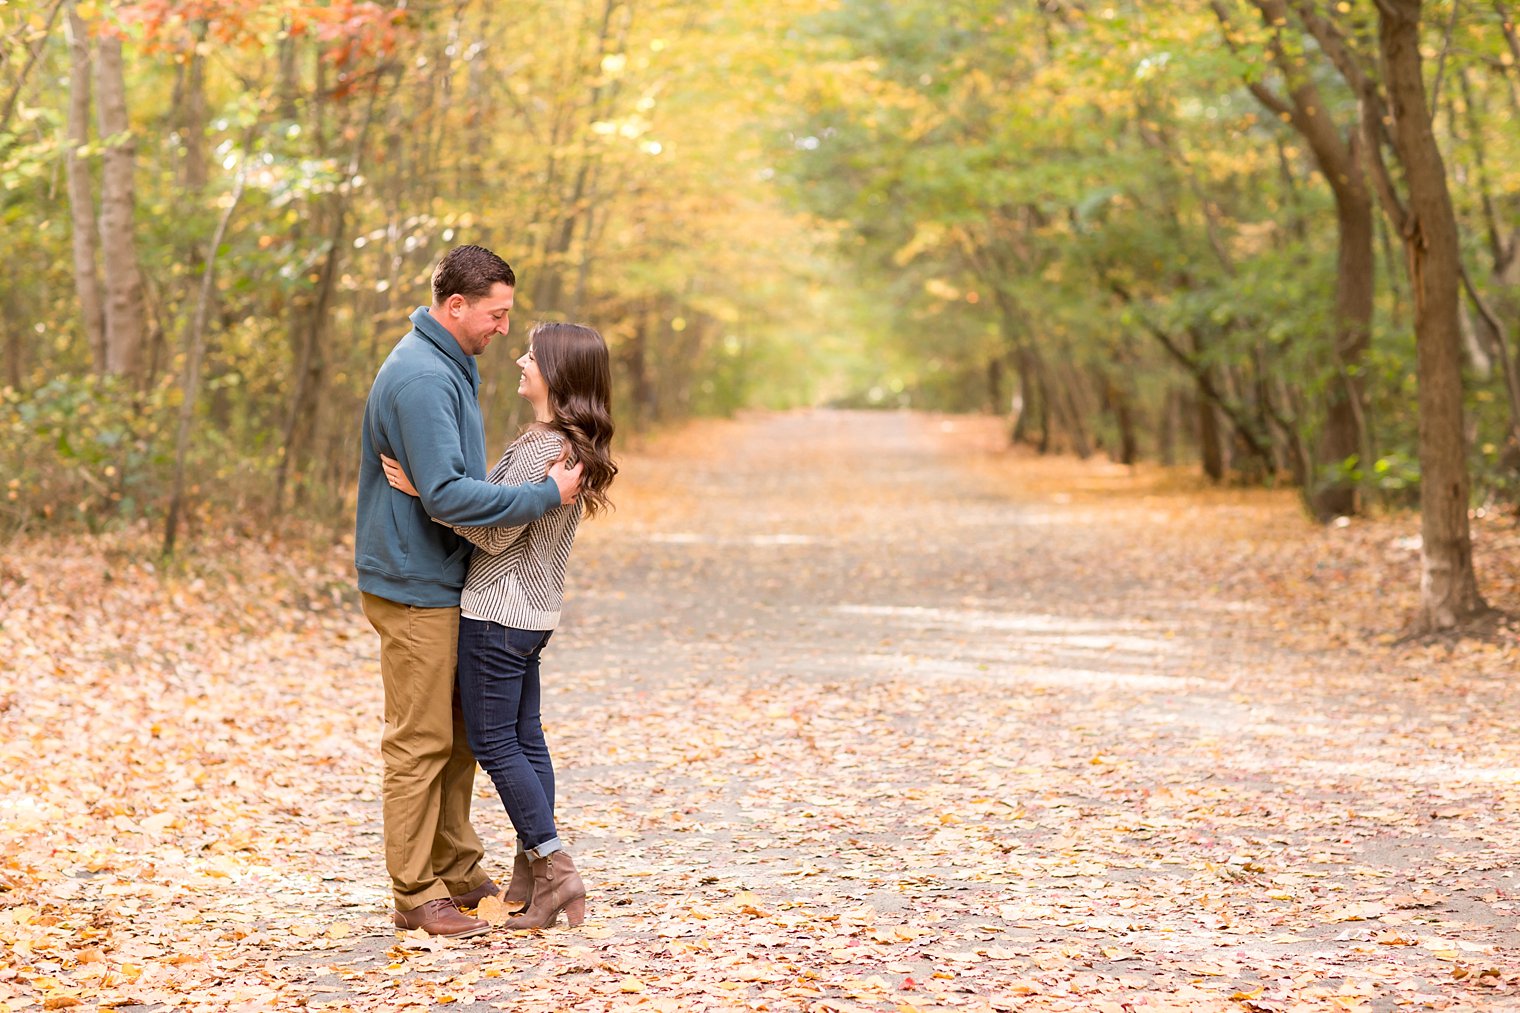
(568, 477)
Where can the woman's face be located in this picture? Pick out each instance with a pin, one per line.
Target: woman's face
(532, 385)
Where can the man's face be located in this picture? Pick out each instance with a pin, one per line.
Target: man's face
(475, 322)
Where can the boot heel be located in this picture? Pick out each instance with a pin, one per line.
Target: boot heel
(556, 887)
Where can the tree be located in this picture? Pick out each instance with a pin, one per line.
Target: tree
(1337, 150)
(1396, 111)
(126, 324)
(1428, 225)
(82, 192)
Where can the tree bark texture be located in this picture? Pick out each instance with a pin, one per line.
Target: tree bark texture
(1346, 406)
(124, 313)
(191, 113)
(1448, 585)
(82, 194)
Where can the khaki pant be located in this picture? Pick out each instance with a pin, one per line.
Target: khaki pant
(431, 850)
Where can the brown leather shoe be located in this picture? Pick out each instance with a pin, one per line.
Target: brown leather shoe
(441, 918)
(475, 896)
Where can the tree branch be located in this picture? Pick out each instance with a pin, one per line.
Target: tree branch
(1199, 374)
(1507, 25)
(1266, 96)
(1496, 243)
(31, 61)
(1335, 46)
(1435, 85)
(1382, 179)
(196, 352)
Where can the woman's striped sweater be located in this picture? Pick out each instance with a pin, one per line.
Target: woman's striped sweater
(517, 576)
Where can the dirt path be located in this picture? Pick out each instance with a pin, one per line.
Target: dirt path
(877, 684)
(852, 714)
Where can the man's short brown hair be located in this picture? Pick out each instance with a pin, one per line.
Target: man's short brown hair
(470, 271)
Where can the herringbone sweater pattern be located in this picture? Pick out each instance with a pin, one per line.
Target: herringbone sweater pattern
(517, 575)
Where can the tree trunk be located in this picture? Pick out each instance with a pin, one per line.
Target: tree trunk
(1210, 435)
(1124, 419)
(82, 193)
(311, 327)
(15, 340)
(1448, 584)
(1067, 385)
(1340, 162)
(549, 292)
(1024, 403)
(631, 367)
(195, 353)
(124, 313)
(289, 87)
(1504, 248)
(1346, 406)
(1171, 423)
(995, 384)
(191, 113)
(1047, 413)
(310, 331)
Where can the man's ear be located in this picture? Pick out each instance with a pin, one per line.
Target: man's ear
(455, 304)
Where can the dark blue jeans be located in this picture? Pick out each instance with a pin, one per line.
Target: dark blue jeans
(500, 693)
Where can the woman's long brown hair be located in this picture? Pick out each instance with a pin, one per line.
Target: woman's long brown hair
(577, 369)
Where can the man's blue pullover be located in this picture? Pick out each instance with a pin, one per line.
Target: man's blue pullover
(423, 411)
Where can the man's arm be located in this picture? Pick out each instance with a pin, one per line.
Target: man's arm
(530, 460)
(426, 443)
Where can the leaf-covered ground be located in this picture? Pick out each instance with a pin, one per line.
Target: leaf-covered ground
(851, 711)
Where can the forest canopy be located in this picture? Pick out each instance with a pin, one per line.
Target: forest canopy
(1276, 238)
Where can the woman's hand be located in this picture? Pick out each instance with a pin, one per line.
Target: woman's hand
(395, 476)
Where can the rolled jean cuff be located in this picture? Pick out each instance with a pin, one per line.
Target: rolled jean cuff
(549, 847)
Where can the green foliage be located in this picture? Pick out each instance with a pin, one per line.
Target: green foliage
(1134, 222)
(83, 446)
(867, 202)
(614, 166)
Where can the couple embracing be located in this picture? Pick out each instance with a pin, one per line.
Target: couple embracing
(463, 572)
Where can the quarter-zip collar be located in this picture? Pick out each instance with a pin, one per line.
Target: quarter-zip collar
(428, 326)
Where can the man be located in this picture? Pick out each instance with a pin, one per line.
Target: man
(423, 411)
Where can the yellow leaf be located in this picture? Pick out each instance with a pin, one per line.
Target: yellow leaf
(159, 822)
(493, 911)
(631, 984)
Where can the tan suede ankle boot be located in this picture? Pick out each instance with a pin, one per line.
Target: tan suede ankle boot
(520, 890)
(556, 887)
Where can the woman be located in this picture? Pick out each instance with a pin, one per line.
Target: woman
(511, 605)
